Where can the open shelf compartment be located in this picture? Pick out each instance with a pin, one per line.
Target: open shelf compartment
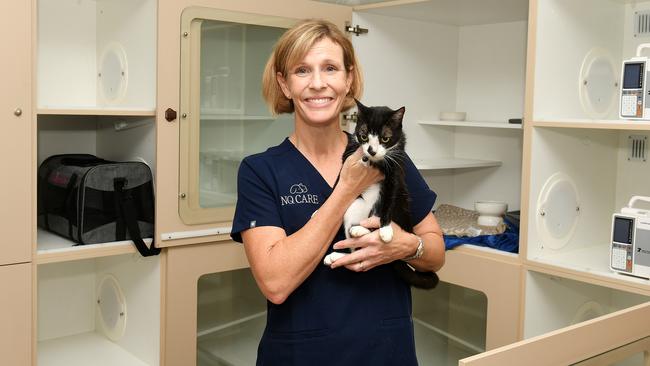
(579, 178)
(579, 47)
(108, 59)
(103, 311)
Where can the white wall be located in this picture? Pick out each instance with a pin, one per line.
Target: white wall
(492, 71)
(491, 82)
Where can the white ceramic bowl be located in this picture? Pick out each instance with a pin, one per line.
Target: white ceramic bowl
(452, 116)
(490, 208)
(489, 220)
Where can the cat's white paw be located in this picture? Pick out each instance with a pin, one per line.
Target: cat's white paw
(358, 231)
(332, 257)
(386, 233)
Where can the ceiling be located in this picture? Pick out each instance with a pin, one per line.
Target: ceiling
(451, 12)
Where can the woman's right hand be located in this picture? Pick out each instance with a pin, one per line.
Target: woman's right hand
(356, 175)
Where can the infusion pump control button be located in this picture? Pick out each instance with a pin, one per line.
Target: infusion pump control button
(631, 104)
(622, 257)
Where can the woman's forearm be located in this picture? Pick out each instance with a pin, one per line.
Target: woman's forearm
(282, 265)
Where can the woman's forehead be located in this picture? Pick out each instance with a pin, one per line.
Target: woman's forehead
(322, 49)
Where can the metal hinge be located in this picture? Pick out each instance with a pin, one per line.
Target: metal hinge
(352, 117)
(347, 118)
(356, 29)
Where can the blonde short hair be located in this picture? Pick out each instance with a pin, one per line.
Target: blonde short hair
(292, 47)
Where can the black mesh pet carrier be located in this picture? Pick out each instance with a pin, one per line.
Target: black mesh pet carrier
(91, 200)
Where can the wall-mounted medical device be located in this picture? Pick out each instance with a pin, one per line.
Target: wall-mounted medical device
(635, 101)
(630, 245)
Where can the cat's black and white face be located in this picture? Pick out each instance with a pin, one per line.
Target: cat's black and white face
(379, 132)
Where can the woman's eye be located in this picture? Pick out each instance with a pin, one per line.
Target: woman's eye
(385, 139)
(331, 68)
(363, 138)
(301, 71)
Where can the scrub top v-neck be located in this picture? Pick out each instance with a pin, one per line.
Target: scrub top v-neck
(336, 316)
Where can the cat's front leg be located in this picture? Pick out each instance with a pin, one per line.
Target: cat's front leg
(386, 233)
(385, 211)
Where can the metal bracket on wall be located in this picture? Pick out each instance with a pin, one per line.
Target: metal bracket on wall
(356, 29)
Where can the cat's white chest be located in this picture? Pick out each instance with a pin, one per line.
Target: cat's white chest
(361, 208)
(371, 194)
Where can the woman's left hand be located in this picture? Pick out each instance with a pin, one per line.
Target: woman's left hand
(371, 251)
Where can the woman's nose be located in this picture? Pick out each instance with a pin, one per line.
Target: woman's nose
(317, 81)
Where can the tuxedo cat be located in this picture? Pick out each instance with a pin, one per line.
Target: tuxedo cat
(379, 133)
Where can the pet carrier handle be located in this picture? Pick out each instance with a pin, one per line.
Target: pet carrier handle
(127, 213)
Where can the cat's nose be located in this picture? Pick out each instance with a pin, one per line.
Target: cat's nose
(371, 151)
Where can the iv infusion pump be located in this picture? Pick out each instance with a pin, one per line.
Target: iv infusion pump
(630, 245)
(635, 100)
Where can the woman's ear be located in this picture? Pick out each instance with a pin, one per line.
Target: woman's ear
(283, 84)
(348, 80)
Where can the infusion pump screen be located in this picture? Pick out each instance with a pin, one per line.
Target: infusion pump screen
(622, 230)
(633, 76)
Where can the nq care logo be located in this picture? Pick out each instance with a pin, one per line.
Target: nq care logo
(298, 194)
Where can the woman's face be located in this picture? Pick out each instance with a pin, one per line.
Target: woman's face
(318, 84)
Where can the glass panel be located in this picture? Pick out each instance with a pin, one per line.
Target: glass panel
(450, 324)
(231, 317)
(354, 2)
(633, 354)
(234, 121)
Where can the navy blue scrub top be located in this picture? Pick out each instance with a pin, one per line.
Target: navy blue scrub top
(336, 316)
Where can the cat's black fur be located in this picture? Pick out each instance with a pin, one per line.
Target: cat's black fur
(393, 204)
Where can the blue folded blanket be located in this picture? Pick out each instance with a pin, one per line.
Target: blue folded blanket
(508, 241)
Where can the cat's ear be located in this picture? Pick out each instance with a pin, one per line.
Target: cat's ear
(397, 117)
(360, 106)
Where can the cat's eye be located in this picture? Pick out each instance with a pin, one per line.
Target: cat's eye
(385, 139)
(363, 138)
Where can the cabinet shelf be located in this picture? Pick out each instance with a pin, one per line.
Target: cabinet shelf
(84, 349)
(472, 124)
(591, 260)
(453, 163)
(614, 124)
(97, 112)
(53, 248)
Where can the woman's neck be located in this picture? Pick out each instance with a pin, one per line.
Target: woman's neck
(319, 142)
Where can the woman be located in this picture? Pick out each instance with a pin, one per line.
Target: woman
(289, 217)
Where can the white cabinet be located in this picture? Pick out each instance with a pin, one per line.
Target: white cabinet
(96, 55)
(216, 314)
(103, 311)
(95, 92)
(433, 57)
(579, 178)
(554, 302)
(584, 163)
(96, 65)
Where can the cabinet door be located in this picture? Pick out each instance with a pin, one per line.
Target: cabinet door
(16, 314)
(610, 338)
(15, 132)
(195, 198)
